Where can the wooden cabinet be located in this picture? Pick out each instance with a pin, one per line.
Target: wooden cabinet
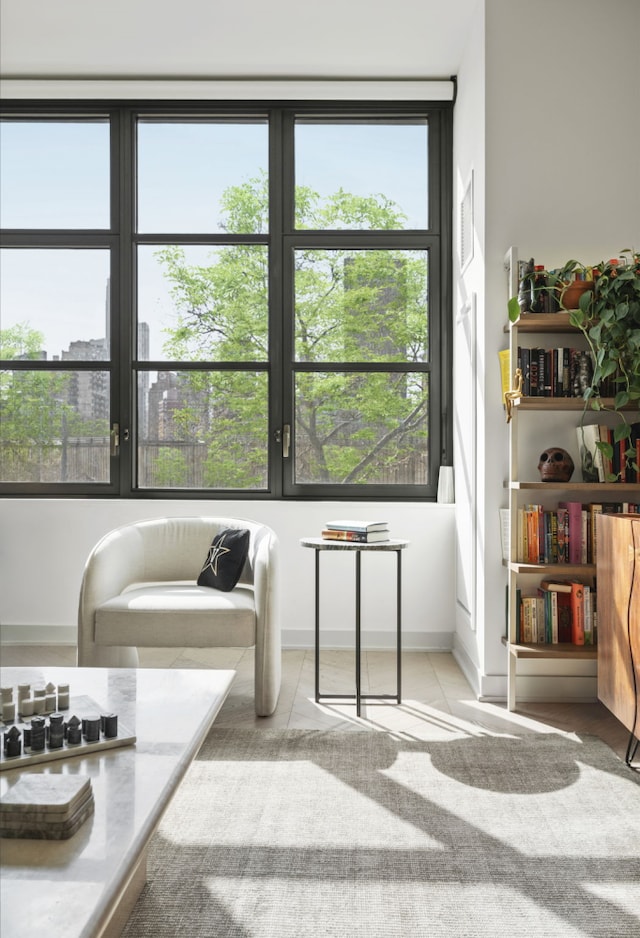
(618, 568)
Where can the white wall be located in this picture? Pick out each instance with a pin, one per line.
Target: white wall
(44, 544)
(469, 327)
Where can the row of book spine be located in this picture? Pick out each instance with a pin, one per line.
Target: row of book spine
(559, 612)
(566, 534)
(556, 372)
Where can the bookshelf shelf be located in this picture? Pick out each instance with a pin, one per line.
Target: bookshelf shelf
(558, 570)
(562, 403)
(537, 423)
(561, 650)
(592, 488)
(543, 322)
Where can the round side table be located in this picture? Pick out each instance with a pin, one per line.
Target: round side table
(393, 545)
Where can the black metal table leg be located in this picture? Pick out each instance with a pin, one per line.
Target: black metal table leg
(358, 636)
(399, 625)
(359, 696)
(317, 553)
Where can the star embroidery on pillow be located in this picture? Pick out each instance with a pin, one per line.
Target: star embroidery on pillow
(216, 551)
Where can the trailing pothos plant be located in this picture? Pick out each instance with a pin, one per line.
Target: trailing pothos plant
(608, 315)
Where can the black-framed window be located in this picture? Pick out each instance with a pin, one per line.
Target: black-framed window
(227, 300)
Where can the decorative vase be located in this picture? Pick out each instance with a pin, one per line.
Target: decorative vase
(571, 294)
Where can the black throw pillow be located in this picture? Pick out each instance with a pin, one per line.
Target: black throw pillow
(225, 559)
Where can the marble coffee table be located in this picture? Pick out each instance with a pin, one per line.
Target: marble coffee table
(86, 886)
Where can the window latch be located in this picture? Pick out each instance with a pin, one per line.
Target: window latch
(115, 439)
(284, 436)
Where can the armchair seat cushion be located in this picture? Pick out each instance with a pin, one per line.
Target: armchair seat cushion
(177, 614)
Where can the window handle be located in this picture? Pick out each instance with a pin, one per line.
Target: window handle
(286, 440)
(284, 436)
(115, 439)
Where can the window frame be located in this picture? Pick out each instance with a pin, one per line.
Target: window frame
(122, 239)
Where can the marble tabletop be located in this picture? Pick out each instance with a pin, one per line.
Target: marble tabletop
(70, 888)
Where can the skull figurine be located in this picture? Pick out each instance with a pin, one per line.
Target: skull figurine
(556, 465)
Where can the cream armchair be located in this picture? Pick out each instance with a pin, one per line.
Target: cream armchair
(139, 590)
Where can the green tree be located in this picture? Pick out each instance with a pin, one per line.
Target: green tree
(350, 306)
(36, 419)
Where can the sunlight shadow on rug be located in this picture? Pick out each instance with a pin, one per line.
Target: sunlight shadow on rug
(310, 833)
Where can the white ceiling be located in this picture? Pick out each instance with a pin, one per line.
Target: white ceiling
(401, 39)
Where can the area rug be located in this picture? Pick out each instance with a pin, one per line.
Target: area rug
(310, 834)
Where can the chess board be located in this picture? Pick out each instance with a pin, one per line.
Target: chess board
(79, 707)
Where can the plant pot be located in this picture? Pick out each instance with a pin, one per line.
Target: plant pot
(571, 293)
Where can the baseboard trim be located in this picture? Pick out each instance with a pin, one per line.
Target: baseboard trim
(339, 640)
(291, 638)
(38, 635)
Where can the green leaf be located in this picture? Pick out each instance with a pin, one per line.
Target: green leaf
(514, 309)
(605, 448)
(595, 332)
(576, 318)
(585, 301)
(621, 432)
(621, 398)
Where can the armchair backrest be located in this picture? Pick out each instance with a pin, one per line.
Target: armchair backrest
(176, 548)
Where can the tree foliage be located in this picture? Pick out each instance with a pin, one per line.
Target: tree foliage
(354, 306)
(37, 419)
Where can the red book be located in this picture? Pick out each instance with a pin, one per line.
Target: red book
(577, 613)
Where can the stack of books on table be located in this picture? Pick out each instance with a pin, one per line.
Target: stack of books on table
(362, 532)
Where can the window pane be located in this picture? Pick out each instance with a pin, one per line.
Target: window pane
(203, 304)
(54, 174)
(361, 305)
(54, 304)
(196, 176)
(203, 430)
(54, 426)
(361, 428)
(361, 175)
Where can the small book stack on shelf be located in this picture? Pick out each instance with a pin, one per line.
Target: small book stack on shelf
(362, 532)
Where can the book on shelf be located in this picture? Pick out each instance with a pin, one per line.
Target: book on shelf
(550, 615)
(588, 616)
(562, 591)
(591, 456)
(574, 513)
(561, 612)
(577, 613)
(355, 537)
(361, 527)
(505, 370)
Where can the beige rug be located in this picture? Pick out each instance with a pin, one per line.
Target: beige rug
(310, 834)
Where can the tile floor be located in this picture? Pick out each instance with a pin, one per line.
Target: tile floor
(437, 702)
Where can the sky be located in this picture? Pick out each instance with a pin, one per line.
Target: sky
(56, 174)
